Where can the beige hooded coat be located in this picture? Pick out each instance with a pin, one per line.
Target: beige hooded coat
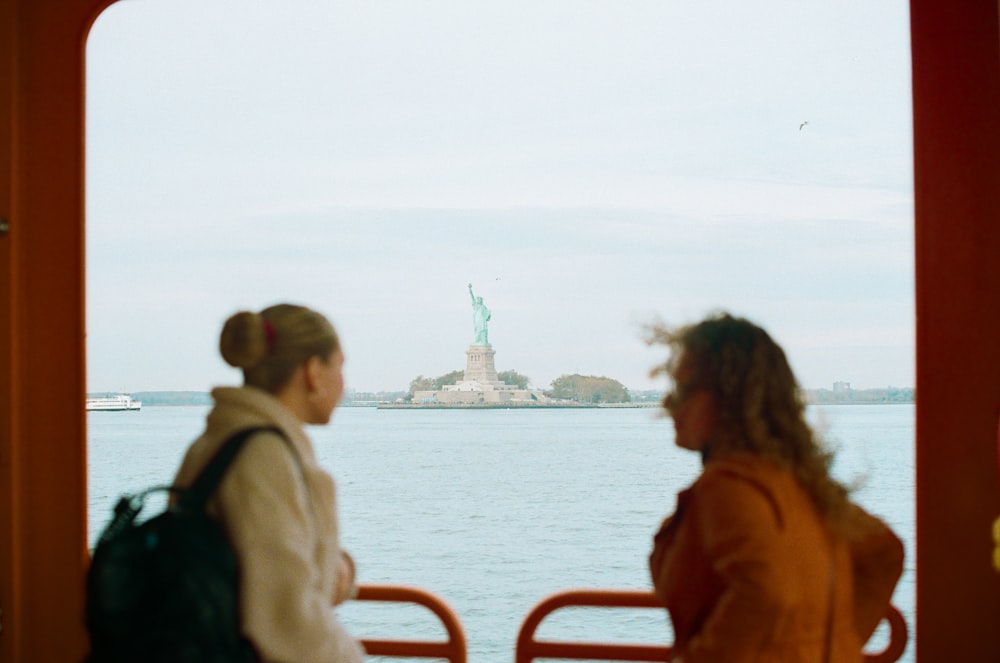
(281, 519)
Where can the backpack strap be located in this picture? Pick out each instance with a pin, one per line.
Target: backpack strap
(197, 494)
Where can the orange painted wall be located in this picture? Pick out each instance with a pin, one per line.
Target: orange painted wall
(42, 435)
(956, 87)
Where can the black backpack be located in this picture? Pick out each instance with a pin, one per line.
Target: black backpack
(166, 590)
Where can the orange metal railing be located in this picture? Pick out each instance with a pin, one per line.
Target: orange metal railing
(454, 649)
(528, 648)
(898, 636)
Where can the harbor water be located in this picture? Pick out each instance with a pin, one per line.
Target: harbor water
(494, 510)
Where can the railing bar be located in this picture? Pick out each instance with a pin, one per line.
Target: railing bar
(403, 594)
(415, 648)
(453, 649)
(596, 651)
(527, 648)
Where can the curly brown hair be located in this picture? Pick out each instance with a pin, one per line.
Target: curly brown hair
(761, 409)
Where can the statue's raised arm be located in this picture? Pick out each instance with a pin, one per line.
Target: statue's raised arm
(472, 296)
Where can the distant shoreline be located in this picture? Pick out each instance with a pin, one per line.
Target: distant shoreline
(883, 396)
(392, 400)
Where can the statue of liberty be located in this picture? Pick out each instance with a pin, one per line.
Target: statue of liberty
(480, 316)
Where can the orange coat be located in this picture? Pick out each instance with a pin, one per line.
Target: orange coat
(744, 568)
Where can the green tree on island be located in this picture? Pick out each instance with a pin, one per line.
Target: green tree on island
(514, 378)
(420, 383)
(588, 389)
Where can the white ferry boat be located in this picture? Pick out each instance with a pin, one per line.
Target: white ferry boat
(115, 403)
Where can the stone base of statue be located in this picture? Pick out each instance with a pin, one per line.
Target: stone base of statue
(479, 366)
(479, 386)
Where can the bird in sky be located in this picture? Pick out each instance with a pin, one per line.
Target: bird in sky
(802, 125)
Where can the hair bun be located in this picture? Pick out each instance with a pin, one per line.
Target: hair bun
(243, 342)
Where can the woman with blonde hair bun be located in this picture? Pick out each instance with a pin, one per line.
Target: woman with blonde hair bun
(765, 557)
(275, 503)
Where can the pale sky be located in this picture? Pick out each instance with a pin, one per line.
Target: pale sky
(588, 166)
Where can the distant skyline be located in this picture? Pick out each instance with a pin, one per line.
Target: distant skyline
(589, 166)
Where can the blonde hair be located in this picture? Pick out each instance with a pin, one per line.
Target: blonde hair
(761, 409)
(270, 345)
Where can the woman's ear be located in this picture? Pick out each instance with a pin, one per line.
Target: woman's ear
(311, 372)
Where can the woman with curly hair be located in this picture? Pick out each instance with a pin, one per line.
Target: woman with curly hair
(765, 557)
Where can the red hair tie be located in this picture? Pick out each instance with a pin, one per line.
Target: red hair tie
(270, 335)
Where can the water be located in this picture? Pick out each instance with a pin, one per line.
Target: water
(493, 510)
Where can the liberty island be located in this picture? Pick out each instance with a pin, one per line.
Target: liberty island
(480, 385)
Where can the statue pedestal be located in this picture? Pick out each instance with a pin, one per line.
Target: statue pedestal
(479, 365)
